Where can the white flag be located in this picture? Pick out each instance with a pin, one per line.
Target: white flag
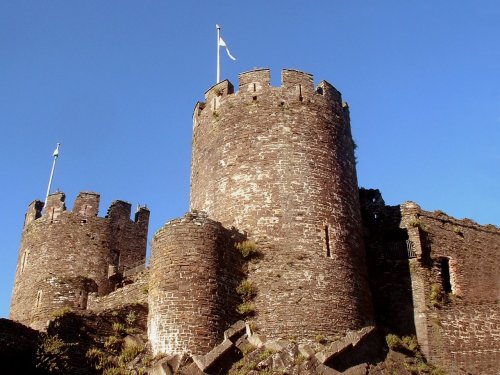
(223, 44)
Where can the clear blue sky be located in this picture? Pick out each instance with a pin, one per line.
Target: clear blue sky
(116, 83)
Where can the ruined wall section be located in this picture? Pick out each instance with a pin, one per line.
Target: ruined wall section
(134, 293)
(66, 255)
(461, 259)
(194, 272)
(450, 277)
(278, 163)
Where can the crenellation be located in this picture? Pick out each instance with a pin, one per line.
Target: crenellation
(297, 85)
(142, 215)
(55, 206)
(34, 212)
(216, 92)
(254, 81)
(87, 203)
(328, 90)
(119, 211)
(254, 86)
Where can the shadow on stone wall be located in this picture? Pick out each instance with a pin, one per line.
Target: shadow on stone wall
(388, 252)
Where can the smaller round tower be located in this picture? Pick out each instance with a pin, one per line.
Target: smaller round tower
(65, 255)
(194, 272)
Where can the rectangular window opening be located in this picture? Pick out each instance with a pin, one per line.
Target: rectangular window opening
(327, 242)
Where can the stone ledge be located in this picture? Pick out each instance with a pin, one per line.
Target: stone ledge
(167, 366)
(205, 361)
(235, 329)
(351, 339)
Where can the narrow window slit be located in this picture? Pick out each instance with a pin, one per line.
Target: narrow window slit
(25, 260)
(300, 93)
(254, 87)
(445, 275)
(327, 242)
(38, 299)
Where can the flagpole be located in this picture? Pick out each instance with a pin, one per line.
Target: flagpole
(218, 53)
(56, 154)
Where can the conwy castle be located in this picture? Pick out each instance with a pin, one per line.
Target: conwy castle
(279, 244)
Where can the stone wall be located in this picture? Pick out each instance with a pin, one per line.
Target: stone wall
(463, 259)
(134, 293)
(278, 163)
(195, 271)
(446, 289)
(66, 255)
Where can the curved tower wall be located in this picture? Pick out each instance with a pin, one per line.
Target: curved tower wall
(278, 163)
(193, 278)
(65, 255)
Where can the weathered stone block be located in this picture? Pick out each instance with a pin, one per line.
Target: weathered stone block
(205, 361)
(234, 330)
(256, 340)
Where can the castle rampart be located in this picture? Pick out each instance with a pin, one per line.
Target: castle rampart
(278, 163)
(65, 255)
(192, 297)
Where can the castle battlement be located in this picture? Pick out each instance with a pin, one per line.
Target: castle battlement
(254, 85)
(86, 205)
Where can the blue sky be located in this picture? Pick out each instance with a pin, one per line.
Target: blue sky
(116, 83)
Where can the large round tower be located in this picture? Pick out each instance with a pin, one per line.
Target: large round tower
(278, 163)
(65, 255)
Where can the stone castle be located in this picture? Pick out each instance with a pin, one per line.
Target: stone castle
(273, 169)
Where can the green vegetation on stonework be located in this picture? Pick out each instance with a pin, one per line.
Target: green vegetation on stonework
(246, 308)
(131, 318)
(247, 290)
(247, 248)
(417, 223)
(119, 328)
(60, 312)
(52, 355)
(113, 343)
(436, 296)
(417, 364)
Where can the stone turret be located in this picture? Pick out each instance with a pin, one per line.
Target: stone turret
(65, 255)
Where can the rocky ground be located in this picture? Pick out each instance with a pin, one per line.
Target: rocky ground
(114, 342)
